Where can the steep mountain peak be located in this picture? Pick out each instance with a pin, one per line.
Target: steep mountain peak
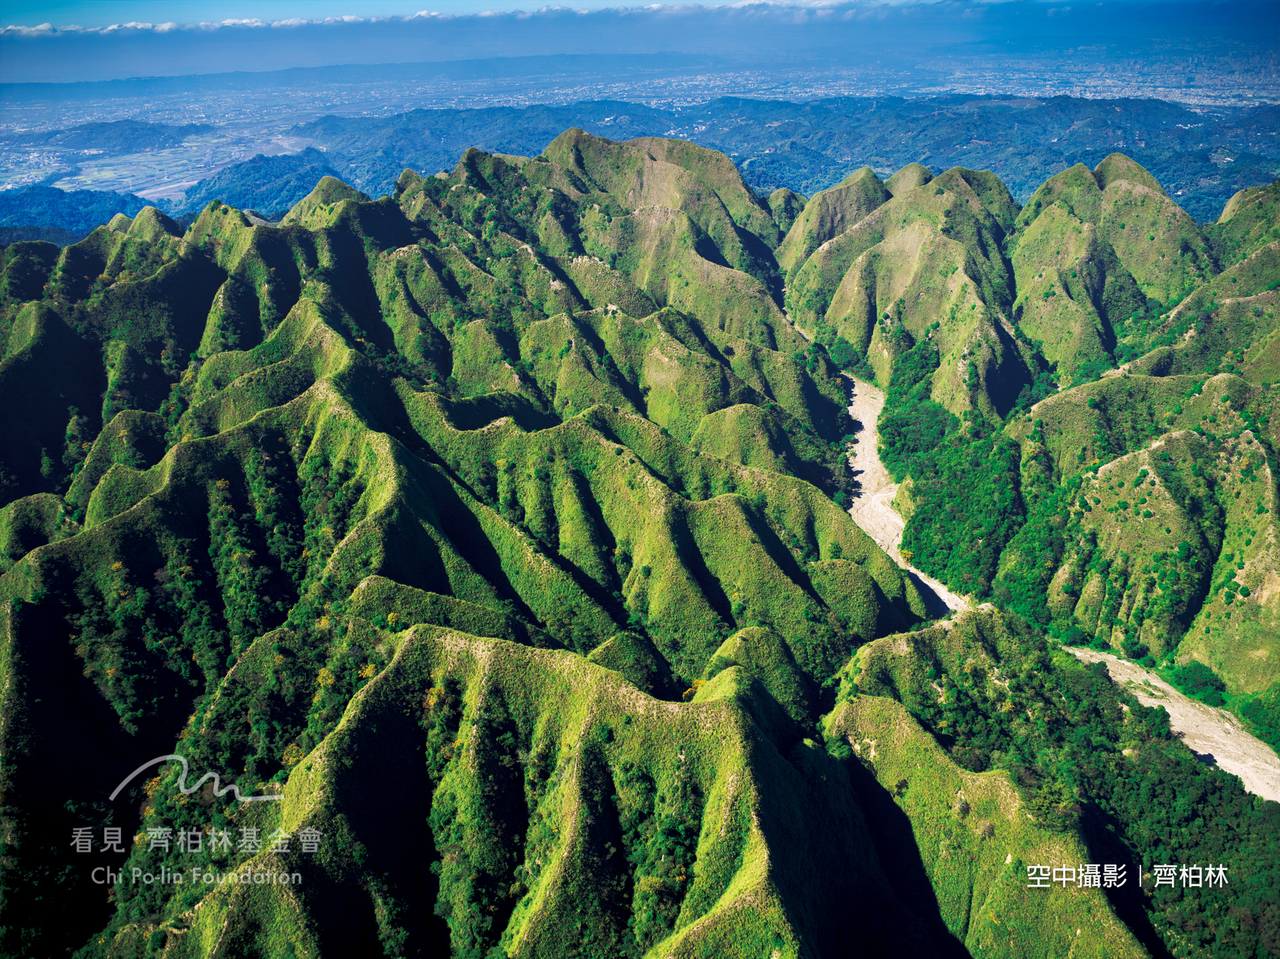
(711, 166)
(1117, 167)
(1154, 239)
(785, 205)
(861, 175)
(151, 223)
(984, 186)
(328, 192)
(908, 178)
(332, 190)
(566, 149)
(1082, 189)
(1250, 221)
(721, 174)
(408, 180)
(1240, 199)
(1076, 186)
(829, 214)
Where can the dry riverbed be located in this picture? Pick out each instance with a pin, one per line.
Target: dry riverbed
(872, 506)
(1214, 735)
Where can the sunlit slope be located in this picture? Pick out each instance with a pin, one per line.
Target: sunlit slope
(1127, 502)
(1146, 351)
(1096, 250)
(910, 176)
(925, 264)
(1073, 290)
(1001, 752)
(1081, 280)
(829, 213)
(975, 843)
(573, 813)
(1227, 324)
(1168, 532)
(606, 504)
(1154, 239)
(681, 177)
(1248, 221)
(785, 205)
(720, 174)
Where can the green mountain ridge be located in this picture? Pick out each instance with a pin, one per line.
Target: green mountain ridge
(499, 525)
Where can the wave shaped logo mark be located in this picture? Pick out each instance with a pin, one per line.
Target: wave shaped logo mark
(218, 789)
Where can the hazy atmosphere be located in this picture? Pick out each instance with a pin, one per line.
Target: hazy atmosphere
(46, 45)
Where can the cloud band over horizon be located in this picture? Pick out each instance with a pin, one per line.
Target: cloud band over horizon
(45, 53)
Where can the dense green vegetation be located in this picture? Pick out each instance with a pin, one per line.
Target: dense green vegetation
(913, 424)
(1085, 758)
(1198, 680)
(76, 213)
(276, 449)
(1031, 508)
(1017, 480)
(270, 185)
(498, 525)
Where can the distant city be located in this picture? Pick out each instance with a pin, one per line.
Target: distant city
(243, 115)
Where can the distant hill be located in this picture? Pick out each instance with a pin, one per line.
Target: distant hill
(116, 136)
(75, 212)
(47, 234)
(270, 184)
(1201, 159)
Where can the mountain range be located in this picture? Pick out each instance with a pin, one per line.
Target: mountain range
(499, 526)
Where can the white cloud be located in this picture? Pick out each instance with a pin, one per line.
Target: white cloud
(132, 25)
(43, 30)
(796, 11)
